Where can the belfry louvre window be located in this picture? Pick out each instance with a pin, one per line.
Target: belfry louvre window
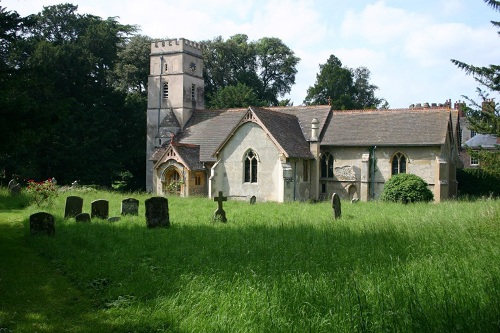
(250, 167)
(165, 90)
(193, 90)
(327, 165)
(398, 164)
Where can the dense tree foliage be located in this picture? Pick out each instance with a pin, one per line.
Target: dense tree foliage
(267, 67)
(343, 88)
(60, 113)
(484, 116)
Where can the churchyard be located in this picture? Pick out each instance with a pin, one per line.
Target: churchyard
(293, 267)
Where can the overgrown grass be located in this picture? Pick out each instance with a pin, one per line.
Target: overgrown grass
(283, 267)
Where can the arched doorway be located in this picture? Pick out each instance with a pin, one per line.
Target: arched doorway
(353, 192)
(172, 182)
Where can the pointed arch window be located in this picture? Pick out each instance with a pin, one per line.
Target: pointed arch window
(250, 164)
(165, 90)
(398, 164)
(327, 165)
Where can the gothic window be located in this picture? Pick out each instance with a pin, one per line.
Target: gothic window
(250, 163)
(327, 165)
(193, 89)
(165, 90)
(398, 164)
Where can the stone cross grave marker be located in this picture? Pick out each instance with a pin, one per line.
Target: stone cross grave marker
(42, 223)
(337, 211)
(157, 212)
(73, 206)
(83, 217)
(130, 206)
(100, 209)
(220, 214)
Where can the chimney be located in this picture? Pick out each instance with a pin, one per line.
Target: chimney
(488, 105)
(314, 129)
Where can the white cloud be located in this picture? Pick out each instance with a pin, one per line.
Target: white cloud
(378, 24)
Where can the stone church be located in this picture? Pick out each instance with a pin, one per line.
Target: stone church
(290, 153)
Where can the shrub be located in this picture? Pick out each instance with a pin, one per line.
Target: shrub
(42, 192)
(405, 187)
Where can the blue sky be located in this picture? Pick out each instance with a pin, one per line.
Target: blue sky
(407, 45)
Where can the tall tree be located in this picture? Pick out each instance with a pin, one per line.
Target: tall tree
(484, 116)
(62, 113)
(266, 66)
(343, 88)
(132, 66)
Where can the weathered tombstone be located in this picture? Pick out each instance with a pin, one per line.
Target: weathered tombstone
(220, 214)
(82, 217)
(14, 187)
(74, 205)
(157, 212)
(337, 211)
(114, 219)
(130, 206)
(252, 200)
(42, 223)
(100, 209)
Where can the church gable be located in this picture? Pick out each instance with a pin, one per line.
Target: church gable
(186, 155)
(282, 129)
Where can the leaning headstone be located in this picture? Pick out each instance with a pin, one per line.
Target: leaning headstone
(220, 214)
(14, 187)
(114, 219)
(83, 217)
(42, 223)
(157, 212)
(74, 205)
(337, 211)
(130, 206)
(100, 209)
(252, 200)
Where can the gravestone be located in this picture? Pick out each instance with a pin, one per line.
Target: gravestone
(114, 219)
(252, 200)
(14, 187)
(73, 207)
(100, 209)
(42, 223)
(130, 206)
(157, 212)
(337, 211)
(220, 214)
(82, 217)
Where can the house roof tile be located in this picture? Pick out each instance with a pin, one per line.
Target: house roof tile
(397, 127)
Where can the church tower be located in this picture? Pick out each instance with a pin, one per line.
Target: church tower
(175, 89)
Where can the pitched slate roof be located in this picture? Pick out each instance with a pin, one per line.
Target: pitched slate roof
(482, 140)
(286, 130)
(208, 128)
(190, 154)
(398, 127)
(305, 115)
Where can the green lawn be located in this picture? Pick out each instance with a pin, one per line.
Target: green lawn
(272, 268)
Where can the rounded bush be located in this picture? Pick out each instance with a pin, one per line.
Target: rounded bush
(405, 188)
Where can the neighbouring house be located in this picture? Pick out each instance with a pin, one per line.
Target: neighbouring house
(285, 153)
(471, 139)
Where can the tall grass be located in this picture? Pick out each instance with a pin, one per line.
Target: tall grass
(286, 267)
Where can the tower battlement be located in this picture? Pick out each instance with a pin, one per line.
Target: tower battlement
(176, 45)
